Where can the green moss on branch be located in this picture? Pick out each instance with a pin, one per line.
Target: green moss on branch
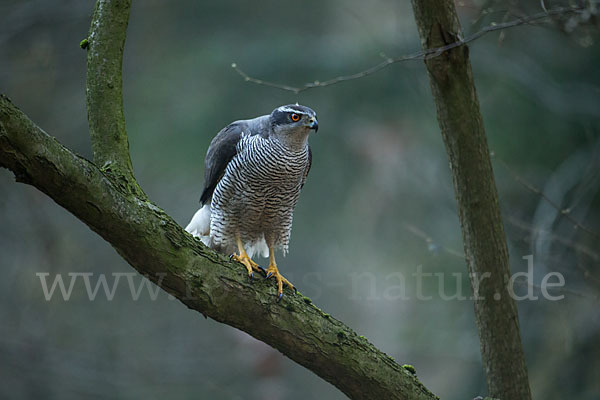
(104, 95)
(203, 280)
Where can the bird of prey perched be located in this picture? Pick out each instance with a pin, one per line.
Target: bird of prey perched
(254, 170)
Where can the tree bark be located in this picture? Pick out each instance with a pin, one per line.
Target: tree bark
(107, 198)
(486, 252)
(148, 239)
(104, 92)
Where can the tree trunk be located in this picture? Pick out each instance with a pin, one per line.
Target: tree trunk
(486, 252)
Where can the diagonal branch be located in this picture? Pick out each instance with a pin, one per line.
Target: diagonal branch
(148, 239)
(104, 91)
(109, 200)
(419, 55)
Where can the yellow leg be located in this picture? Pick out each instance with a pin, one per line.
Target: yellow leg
(273, 271)
(243, 258)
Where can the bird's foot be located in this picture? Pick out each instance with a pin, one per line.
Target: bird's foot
(250, 265)
(273, 271)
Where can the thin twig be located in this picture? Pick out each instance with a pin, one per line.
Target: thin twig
(420, 55)
(566, 212)
(560, 290)
(431, 244)
(565, 242)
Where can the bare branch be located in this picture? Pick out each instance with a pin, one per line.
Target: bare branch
(566, 212)
(559, 290)
(565, 242)
(420, 55)
(432, 245)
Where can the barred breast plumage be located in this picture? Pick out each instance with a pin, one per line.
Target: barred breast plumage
(257, 194)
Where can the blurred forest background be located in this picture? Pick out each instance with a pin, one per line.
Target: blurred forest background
(379, 200)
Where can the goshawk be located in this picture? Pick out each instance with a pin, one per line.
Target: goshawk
(254, 170)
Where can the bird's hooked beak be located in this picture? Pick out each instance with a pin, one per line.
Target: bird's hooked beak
(313, 124)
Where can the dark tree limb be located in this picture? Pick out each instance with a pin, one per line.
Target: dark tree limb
(486, 251)
(107, 198)
(205, 281)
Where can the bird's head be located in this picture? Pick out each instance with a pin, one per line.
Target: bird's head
(292, 123)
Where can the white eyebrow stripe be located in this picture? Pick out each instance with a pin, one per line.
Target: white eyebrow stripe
(288, 109)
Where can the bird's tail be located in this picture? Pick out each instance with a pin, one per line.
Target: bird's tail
(199, 226)
(258, 247)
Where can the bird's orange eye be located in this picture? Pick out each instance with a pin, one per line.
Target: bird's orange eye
(295, 117)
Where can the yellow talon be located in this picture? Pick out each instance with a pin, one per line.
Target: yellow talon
(273, 271)
(250, 265)
(243, 258)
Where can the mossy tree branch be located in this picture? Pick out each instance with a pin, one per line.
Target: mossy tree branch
(104, 91)
(486, 251)
(205, 281)
(105, 196)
